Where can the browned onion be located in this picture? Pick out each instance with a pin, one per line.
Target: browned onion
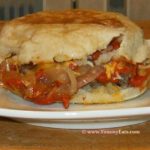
(73, 80)
(88, 77)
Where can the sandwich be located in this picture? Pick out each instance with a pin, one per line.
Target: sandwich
(74, 56)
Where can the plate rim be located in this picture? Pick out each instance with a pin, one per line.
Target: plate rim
(71, 114)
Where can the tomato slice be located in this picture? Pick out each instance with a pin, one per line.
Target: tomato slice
(115, 44)
(95, 55)
(126, 70)
(12, 80)
(122, 67)
(102, 78)
(54, 98)
(137, 81)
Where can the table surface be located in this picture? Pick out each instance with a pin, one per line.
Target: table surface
(19, 136)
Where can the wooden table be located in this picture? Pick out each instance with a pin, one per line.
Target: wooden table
(19, 136)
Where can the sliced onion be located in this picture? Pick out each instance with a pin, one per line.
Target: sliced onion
(73, 80)
(88, 77)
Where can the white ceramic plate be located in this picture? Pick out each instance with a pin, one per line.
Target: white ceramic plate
(77, 116)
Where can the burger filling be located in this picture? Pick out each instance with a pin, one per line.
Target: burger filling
(46, 83)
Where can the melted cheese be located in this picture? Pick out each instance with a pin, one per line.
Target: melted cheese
(110, 69)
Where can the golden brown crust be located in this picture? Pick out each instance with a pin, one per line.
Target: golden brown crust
(72, 17)
(61, 36)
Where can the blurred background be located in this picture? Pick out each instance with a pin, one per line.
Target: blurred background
(135, 9)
